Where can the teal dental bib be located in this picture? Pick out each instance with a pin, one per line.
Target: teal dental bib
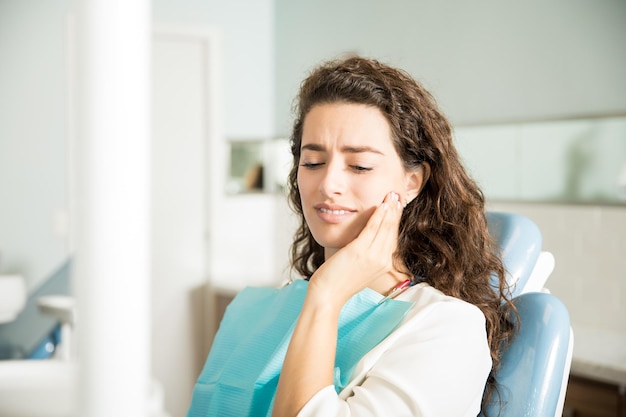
(241, 372)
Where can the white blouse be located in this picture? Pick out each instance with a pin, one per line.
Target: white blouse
(435, 364)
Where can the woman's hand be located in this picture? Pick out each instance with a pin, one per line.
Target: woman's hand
(362, 261)
(310, 358)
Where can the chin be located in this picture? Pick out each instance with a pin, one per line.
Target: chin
(335, 235)
(328, 240)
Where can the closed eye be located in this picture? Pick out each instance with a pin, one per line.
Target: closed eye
(311, 165)
(359, 168)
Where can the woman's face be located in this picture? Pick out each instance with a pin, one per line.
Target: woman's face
(347, 165)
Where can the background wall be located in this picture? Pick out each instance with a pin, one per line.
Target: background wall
(33, 132)
(248, 47)
(486, 61)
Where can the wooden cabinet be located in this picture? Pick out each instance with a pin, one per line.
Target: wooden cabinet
(589, 398)
(222, 299)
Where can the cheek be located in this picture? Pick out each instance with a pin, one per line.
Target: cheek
(305, 186)
(373, 191)
(301, 180)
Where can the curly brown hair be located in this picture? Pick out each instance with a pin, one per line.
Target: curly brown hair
(443, 236)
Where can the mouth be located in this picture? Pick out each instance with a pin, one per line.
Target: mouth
(333, 214)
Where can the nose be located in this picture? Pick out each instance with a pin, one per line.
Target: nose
(333, 180)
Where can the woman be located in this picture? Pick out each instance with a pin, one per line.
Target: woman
(383, 198)
(384, 205)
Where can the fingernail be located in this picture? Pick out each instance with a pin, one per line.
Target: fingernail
(396, 197)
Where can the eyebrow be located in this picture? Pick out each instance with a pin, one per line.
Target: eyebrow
(346, 149)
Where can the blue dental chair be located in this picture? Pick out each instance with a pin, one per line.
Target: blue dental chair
(535, 366)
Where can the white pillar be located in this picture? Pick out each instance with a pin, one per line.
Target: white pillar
(111, 274)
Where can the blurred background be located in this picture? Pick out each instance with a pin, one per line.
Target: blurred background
(536, 92)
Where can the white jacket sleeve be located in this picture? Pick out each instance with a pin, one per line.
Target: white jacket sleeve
(435, 364)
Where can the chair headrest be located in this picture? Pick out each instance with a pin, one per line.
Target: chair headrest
(520, 242)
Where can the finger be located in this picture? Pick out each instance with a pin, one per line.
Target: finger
(387, 233)
(371, 228)
(382, 225)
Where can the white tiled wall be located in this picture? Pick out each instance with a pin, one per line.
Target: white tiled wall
(589, 245)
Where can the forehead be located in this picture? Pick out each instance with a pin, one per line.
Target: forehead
(334, 124)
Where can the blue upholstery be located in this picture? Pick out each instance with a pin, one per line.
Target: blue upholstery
(534, 365)
(520, 242)
(45, 349)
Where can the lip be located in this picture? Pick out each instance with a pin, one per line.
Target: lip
(331, 213)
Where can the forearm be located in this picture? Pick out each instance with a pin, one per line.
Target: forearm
(310, 358)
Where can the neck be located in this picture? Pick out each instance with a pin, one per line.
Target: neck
(385, 283)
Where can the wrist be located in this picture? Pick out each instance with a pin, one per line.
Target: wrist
(324, 301)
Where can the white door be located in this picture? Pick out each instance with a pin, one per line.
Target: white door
(180, 206)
